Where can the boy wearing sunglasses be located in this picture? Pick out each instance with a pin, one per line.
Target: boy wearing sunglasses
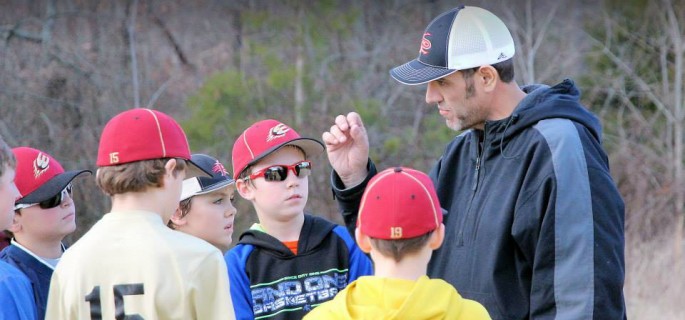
(130, 265)
(45, 213)
(289, 262)
(206, 209)
(16, 296)
(399, 225)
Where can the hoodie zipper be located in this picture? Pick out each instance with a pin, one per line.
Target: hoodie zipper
(475, 180)
(474, 189)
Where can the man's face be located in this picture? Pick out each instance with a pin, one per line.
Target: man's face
(458, 101)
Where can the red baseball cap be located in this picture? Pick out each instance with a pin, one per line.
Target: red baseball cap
(265, 137)
(39, 176)
(399, 203)
(144, 134)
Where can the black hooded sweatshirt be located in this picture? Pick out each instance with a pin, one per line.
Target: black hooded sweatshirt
(535, 223)
(268, 281)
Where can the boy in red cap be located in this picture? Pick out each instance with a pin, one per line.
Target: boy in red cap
(206, 209)
(16, 296)
(45, 213)
(290, 261)
(399, 224)
(130, 265)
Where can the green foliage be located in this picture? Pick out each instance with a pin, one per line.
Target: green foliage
(219, 111)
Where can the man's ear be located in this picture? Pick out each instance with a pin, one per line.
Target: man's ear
(178, 219)
(363, 241)
(437, 237)
(245, 189)
(488, 78)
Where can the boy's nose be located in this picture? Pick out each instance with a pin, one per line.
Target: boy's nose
(67, 200)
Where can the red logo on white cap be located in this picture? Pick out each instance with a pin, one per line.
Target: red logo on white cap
(425, 43)
(277, 132)
(40, 164)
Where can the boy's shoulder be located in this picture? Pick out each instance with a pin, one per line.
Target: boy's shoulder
(145, 233)
(15, 256)
(10, 274)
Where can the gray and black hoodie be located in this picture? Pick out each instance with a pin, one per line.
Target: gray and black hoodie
(535, 223)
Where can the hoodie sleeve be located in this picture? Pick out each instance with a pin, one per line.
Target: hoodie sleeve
(240, 284)
(360, 264)
(569, 227)
(349, 199)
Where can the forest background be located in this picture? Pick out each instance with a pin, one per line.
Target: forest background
(68, 66)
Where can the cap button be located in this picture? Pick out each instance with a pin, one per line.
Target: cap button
(398, 169)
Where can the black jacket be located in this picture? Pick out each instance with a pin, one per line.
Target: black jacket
(535, 227)
(268, 280)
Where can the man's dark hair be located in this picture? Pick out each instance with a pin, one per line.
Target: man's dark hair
(505, 70)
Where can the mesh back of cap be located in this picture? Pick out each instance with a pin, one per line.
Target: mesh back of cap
(478, 37)
(469, 38)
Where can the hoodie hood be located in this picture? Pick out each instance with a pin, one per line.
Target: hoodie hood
(545, 102)
(314, 231)
(386, 298)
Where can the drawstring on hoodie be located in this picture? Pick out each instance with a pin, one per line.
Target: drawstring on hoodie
(512, 120)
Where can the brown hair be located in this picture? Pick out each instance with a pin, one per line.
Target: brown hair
(135, 176)
(185, 206)
(398, 249)
(7, 158)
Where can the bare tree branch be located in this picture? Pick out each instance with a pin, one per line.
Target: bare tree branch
(132, 47)
(623, 66)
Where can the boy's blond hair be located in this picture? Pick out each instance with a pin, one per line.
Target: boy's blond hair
(7, 158)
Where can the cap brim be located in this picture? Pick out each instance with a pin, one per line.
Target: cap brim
(51, 188)
(416, 72)
(191, 187)
(311, 148)
(194, 170)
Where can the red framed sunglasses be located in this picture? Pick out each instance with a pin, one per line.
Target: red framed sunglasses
(279, 172)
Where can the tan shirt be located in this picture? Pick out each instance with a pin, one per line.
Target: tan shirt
(131, 263)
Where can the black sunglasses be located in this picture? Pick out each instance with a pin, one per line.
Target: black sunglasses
(280, 172)
(52, 202)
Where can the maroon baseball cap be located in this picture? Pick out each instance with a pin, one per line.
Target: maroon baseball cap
(399, 203)
(265, 137)
(39, 176)
(144, 134)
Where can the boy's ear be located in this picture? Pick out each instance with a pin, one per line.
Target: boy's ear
(245, 189)
(16, 223)
(178, 219)
(170, 165)
(363, 241)
(169, 171)
(437, 237)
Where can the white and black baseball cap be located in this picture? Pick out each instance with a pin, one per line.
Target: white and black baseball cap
(462, 38)
(201, 185)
